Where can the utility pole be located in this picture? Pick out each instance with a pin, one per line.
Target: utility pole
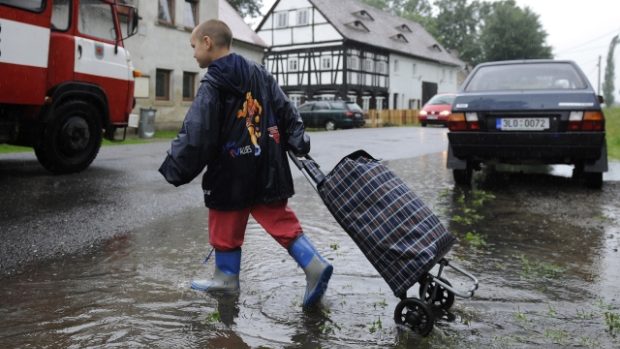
(598, 89)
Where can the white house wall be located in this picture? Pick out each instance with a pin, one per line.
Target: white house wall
(318, 29)
(407, 80)
(158, 46)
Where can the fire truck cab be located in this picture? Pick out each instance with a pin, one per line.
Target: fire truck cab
(65, 79)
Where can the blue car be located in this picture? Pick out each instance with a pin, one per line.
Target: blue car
(527, 112)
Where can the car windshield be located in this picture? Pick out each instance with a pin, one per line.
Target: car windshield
(527, 76)
(441, 99)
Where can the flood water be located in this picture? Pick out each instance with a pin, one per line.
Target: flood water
(545, 250)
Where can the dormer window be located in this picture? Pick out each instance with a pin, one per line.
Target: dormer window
(303, 16)
(281, 19)
(400, 38)
(363, 14)
(436, 48)
(358, 25)
(404, 28)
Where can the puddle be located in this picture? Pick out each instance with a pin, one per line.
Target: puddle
(546, 256)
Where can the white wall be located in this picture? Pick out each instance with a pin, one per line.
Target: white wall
(158, 46)
(408, 83)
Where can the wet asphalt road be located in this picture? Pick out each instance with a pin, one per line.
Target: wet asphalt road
(45, 216)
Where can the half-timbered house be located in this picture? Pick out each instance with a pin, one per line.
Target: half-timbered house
(326, 49)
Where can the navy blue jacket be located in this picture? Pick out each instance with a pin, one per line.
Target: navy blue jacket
(240, 126)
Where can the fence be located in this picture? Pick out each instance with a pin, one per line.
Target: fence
(392, 117)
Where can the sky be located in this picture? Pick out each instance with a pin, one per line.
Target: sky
(577, 30)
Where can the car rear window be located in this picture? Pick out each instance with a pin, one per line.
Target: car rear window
(354, 107)
(441, 99)
(528, 76)
(338, 105)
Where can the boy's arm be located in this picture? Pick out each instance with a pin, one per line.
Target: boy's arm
(196, 144)
(296, 138)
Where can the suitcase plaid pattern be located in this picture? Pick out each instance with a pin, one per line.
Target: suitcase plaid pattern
(395, 230)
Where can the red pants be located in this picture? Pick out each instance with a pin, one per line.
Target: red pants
(227, 228)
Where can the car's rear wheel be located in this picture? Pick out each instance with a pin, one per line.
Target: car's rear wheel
(593, 180)
(423, 124)
(330, 125)
(463, 176)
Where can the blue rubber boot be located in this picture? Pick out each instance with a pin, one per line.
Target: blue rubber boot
(318, 271)
(226, 275)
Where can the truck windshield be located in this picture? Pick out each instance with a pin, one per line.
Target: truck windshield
(32, 5)
(96, 19)
(526, 76)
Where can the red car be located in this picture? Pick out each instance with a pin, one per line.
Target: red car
(437, 110)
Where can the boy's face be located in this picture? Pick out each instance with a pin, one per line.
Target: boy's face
(202, 49)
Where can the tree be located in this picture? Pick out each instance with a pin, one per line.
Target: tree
(419, 11)
(610, 75)
(247, 7)
(510, 32)
(457, 28)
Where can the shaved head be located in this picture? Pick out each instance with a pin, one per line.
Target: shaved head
(217, 30)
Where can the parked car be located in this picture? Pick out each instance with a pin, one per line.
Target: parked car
(332, 114)
(437, 110)
(530, 111)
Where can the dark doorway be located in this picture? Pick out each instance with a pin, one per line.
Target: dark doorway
(395, 101)
(429, 89)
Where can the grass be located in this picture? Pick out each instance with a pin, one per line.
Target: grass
(612, 126)
(131, 139)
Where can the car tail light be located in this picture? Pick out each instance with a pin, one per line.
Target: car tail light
(349, 114)
(588, 121)
(463, 122)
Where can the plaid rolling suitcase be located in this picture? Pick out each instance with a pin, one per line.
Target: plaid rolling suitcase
(400, 236)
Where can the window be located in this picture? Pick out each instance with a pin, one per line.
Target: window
(368, 65)
(60, 15)
(302, 17)
(381, 67)
(165, 12)
(189, 86)
(281, 19)
(293, 64)
(354, 63)
(366, 102)
(96, 19)
(190, 13)
(414, 68)
(321, 106)
(326, 62)
(295, 99)
(379, 105)
(32, 5)
(395, 65)
(162, 84)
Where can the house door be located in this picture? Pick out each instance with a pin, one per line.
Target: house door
(429, 89)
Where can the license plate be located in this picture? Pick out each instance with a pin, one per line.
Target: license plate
(431, 117)
(522, 124)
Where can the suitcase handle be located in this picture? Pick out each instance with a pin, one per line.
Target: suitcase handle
(308, 167)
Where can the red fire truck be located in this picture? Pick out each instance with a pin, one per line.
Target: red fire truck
(65, 79)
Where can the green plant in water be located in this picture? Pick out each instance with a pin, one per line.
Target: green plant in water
(557, 336)
(520, 316)
(551, 310)
(334, 246)
(214, 317)
(612, 320)
(375, 326)
(589, 342)
(474, 239)
(536, 269)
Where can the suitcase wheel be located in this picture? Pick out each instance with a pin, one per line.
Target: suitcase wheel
(415, 314)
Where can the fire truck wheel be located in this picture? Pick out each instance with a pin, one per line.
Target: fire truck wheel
(71, 139)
